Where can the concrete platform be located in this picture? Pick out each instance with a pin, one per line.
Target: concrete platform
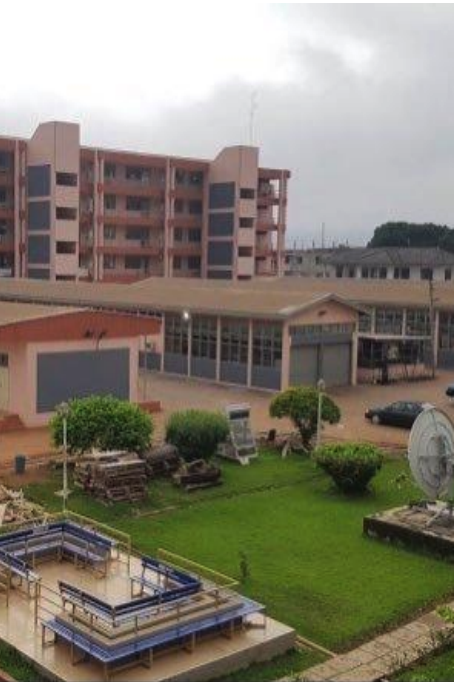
(211, 657)
(416, 526)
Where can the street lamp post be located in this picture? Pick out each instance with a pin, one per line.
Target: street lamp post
(63, 411)
(320, 387)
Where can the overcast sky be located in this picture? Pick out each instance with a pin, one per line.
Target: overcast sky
(356, 100)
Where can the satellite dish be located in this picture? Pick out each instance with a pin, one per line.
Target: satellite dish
(431, 453)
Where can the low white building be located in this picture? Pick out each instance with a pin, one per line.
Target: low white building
(390, 263)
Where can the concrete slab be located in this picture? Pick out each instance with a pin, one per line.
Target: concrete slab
(211, 657)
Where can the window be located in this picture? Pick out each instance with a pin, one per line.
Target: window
(5, 161)
(176, 335)
(266, 345)
(204, 338)
(110, 202)
(426, 273)
(234, 342)
(365, 273)
(448, 274)
(3, 360)
(133, 262)
(179, 206)
(246, 222)
(66, 247)
(195, 207)
(388, 321)
(180, 177)
(137, 174)
(194, 235)
(339, 270)
(245, 251)
(3, 196)
(66, 213)
(351, 272)
(382, 273)
(110, 232)
(193, 262)
(447, 330)
(110, 262)
(66, 179)
(418, 322)
(110, 171)
(364, 322)
(137, 204)
(137, 234)
(196, 178)
(177, 262)
(247, 193)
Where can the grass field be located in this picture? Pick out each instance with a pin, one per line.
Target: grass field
(438, 668)
(309, 562)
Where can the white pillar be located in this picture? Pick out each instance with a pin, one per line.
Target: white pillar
(249, 354)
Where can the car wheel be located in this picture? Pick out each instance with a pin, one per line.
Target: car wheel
(375, 419)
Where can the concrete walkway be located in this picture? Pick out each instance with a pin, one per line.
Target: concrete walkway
(386, 654)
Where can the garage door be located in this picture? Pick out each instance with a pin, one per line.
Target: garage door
(304, 361)
(62, 376)
(336, 364)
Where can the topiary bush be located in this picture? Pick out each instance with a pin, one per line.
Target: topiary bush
(196, 433)
(300, 405)
(103, 422)
(351, 465)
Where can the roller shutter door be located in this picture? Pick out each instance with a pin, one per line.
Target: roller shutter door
(304, 362)
(78, 374)
(336, 361)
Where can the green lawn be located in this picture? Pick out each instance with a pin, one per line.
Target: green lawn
(436, 669)
(309, 561)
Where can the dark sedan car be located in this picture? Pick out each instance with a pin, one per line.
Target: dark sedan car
(450, 391)
(402, 413)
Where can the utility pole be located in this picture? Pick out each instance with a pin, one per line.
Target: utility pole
(432, 327)
(323, 235)
(252, 110)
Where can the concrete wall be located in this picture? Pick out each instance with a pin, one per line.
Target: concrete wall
(23, 361)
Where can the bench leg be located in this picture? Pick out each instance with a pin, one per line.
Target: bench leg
(190, 646)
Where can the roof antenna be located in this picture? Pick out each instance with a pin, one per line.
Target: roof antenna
(252, 110)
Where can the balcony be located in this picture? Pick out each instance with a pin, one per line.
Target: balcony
(134, 188)
(185, 249)
(121, 276)
(266, 225)
(6, 245)
(6, 178)
(265, 252)
(87, 187)
(6, 212)
(126, 249)
(150, 219)
(186, 220)
(187, 192)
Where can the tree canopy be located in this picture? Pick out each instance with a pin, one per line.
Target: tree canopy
(422, 235)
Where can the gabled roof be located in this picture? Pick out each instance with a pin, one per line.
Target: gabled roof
(391, 256)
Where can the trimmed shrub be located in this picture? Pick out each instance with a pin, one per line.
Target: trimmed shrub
(103, 422)
(196, 433)
(300, 405)
(351, 465)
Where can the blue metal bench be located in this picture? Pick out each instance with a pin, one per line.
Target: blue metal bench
(175, 634)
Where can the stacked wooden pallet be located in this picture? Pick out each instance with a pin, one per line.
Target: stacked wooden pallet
(112, 476)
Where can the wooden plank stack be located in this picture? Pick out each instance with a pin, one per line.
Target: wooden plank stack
(112, 476)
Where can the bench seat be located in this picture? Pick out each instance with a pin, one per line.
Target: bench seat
(175, 634)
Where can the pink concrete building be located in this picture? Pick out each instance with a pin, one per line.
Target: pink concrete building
(50, 354)
(69, 212)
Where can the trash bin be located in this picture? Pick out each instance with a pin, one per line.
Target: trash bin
(20, 464)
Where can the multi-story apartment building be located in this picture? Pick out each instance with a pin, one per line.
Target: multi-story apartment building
(70, 212)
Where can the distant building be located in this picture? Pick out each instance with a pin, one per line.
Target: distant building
(69, 212)
(307, 262)
(390, 263)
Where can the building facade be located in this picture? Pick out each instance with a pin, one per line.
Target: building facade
(69, 212)
(390, 263)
